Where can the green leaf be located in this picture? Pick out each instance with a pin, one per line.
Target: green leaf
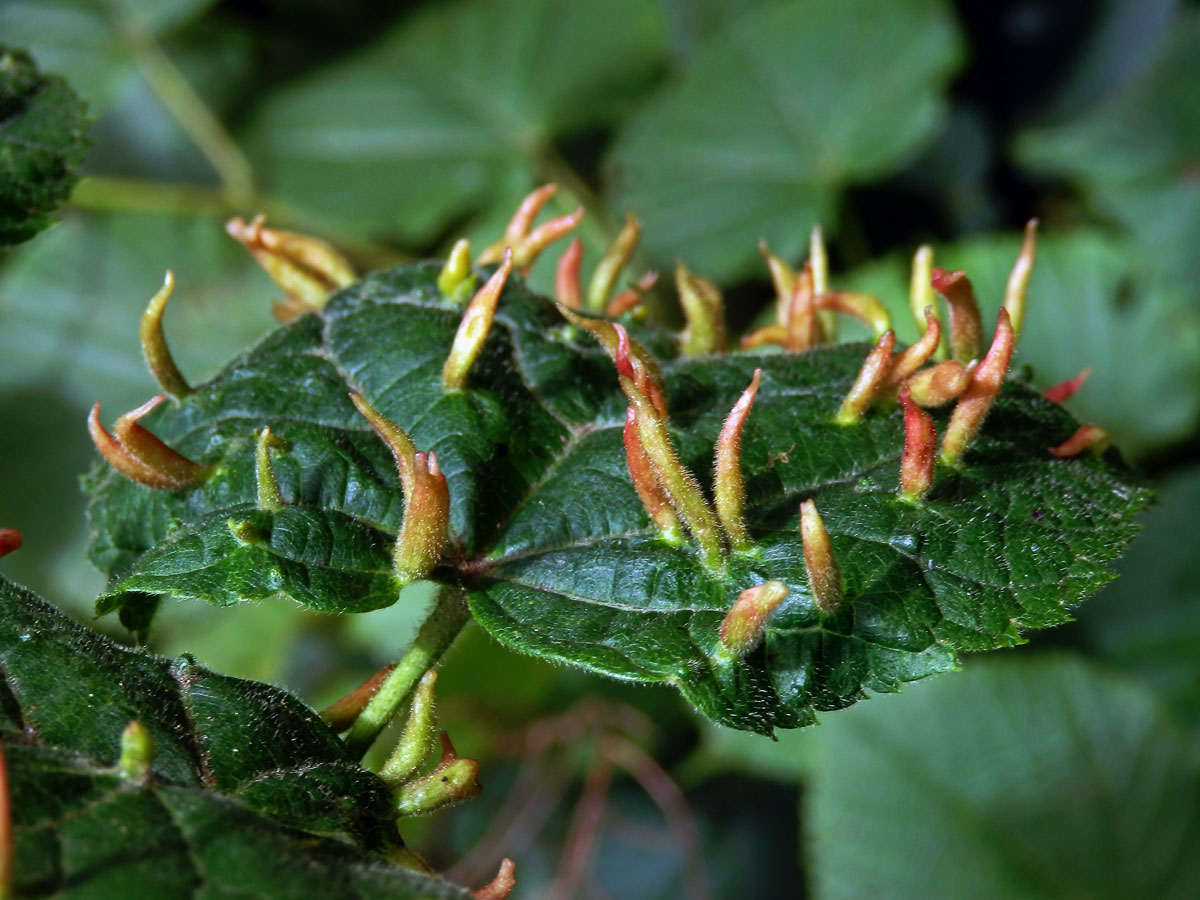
(323, 559)
(454, 111)
(92, 41)
(43, 139)
(1034, 779)
(1092, 303)
(249, 791)
(779, 111)
(71, 303)
(1133, 153)
(1148, 620)
(547, 533)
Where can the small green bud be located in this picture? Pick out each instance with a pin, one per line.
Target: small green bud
(137, 752)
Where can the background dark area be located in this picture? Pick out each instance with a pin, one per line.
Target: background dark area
(1070, 767)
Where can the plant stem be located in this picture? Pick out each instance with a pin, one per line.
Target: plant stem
(193, 115)
(434, 638)
(105, 193)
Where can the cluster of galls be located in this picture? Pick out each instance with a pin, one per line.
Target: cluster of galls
(806, 316)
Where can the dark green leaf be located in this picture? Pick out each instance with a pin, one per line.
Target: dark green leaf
(313, 555)
(1092, 304)
(92, 41)
(43, 139)
(71, 302)
(1148, 620)
(1134, 152)
(1013, 781)
(781, 109)
(547, 531)
(454, 112)
(249, 790)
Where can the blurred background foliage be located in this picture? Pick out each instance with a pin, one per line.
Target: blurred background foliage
(1071, 768)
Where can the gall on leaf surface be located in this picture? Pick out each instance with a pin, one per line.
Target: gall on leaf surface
(247, 791)
(546, 529)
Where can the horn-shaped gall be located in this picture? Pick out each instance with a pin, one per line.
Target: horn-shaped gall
(426, 499)
(631, 298)
(645, 482)
(454, 780)
(966, 327)
(10, 540)
(154, 343)
(939, 384)
(412, 748)
(1018, 278)
(1065, 390)
(270, 498)
(728, 486)
(519, 225)
(342, 713)
(679, 485)
(525, 241)
(972, 407)
(1086, 437)
(307, 269)
(704, 310)
(864, 307)
(140, 456)
(783, 278)
(921, 295)
(870, 378)
(615, 258)
(802, 328)
(818, 260)
(920, 449)
(566, 275)
(745, 624)
(911, 358)
(611, 336)
(455, 278)
(768, 334)
(501, 886)
(474, 327)
(824, 576)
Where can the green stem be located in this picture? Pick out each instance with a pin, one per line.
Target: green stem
(193, 115)
(104, 193)
(434, 638)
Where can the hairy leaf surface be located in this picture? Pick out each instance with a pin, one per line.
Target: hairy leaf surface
(43, 139)
(249, 791)
(547, 532)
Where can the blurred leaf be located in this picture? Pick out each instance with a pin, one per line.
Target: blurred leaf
(90, 41)
(43, 140)
(549, 536)
(1135, 153)
(70, 304)
(1124, 37)
(1016, 780)
(1148, 620)
(244, 786)
(449, 110)
(1090, 303)
(787, 759)
(780, 110)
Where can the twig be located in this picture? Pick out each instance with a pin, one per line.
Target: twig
(585, 827)
(437, 633)
(670, 799)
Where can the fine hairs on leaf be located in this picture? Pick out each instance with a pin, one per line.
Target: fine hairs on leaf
(575, 461)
